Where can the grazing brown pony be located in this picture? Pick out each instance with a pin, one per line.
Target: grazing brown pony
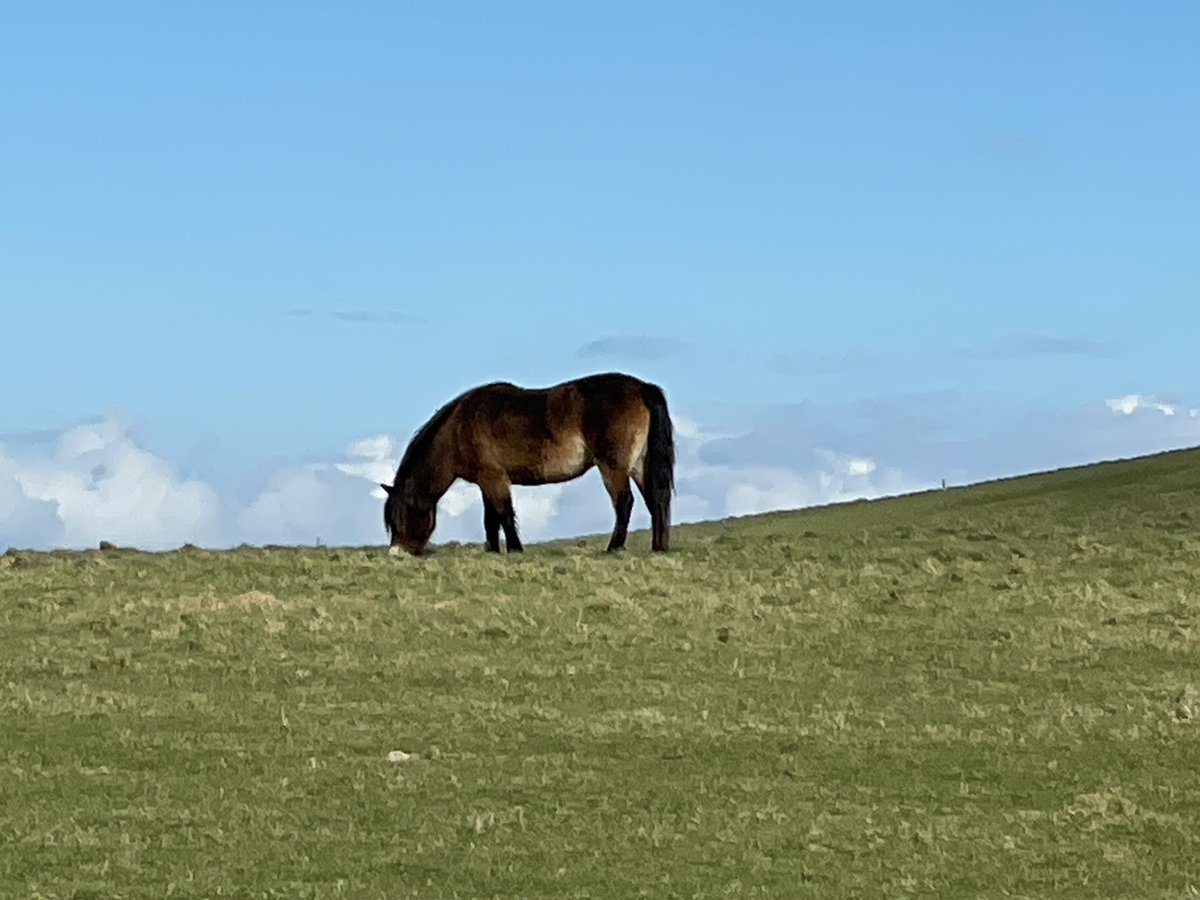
(499, 435)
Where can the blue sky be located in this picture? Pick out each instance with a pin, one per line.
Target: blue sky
(255, 234)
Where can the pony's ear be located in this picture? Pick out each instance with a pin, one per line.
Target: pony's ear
(387, 488)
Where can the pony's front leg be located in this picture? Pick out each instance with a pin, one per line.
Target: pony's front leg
(497, 494)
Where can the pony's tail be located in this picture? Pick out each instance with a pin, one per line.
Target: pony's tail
(659, 471)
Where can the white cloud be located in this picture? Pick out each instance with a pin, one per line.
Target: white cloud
(22, 517)
(102, 486)
(727, 488)
(457, 501)
(1131, 403)
(685, 427)
(96, 482)
(860, 466)
(375, 459)
(310, 504)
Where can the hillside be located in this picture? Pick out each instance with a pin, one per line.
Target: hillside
(982, 691)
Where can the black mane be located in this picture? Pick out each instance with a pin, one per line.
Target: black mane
(419, 447)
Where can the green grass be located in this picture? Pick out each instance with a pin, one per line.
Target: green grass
(979, 692)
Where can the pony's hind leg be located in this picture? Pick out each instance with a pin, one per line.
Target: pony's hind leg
(638, 474)
(658, 504)
(491, 526)
(508, 521)
(617, 483)
(497, 494)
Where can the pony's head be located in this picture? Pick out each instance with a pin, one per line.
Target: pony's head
(410, 511)
(409, 518)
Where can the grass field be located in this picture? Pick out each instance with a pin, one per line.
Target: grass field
(982, 692)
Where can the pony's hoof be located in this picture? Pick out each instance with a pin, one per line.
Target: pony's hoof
(395, 551)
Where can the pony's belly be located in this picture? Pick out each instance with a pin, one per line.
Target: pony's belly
(559, 462)
(557, 476)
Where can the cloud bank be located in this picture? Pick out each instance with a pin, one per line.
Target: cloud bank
(634, 347)
(1028, 346)
(96, 482)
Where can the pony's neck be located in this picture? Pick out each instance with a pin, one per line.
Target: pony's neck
(434, 474)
